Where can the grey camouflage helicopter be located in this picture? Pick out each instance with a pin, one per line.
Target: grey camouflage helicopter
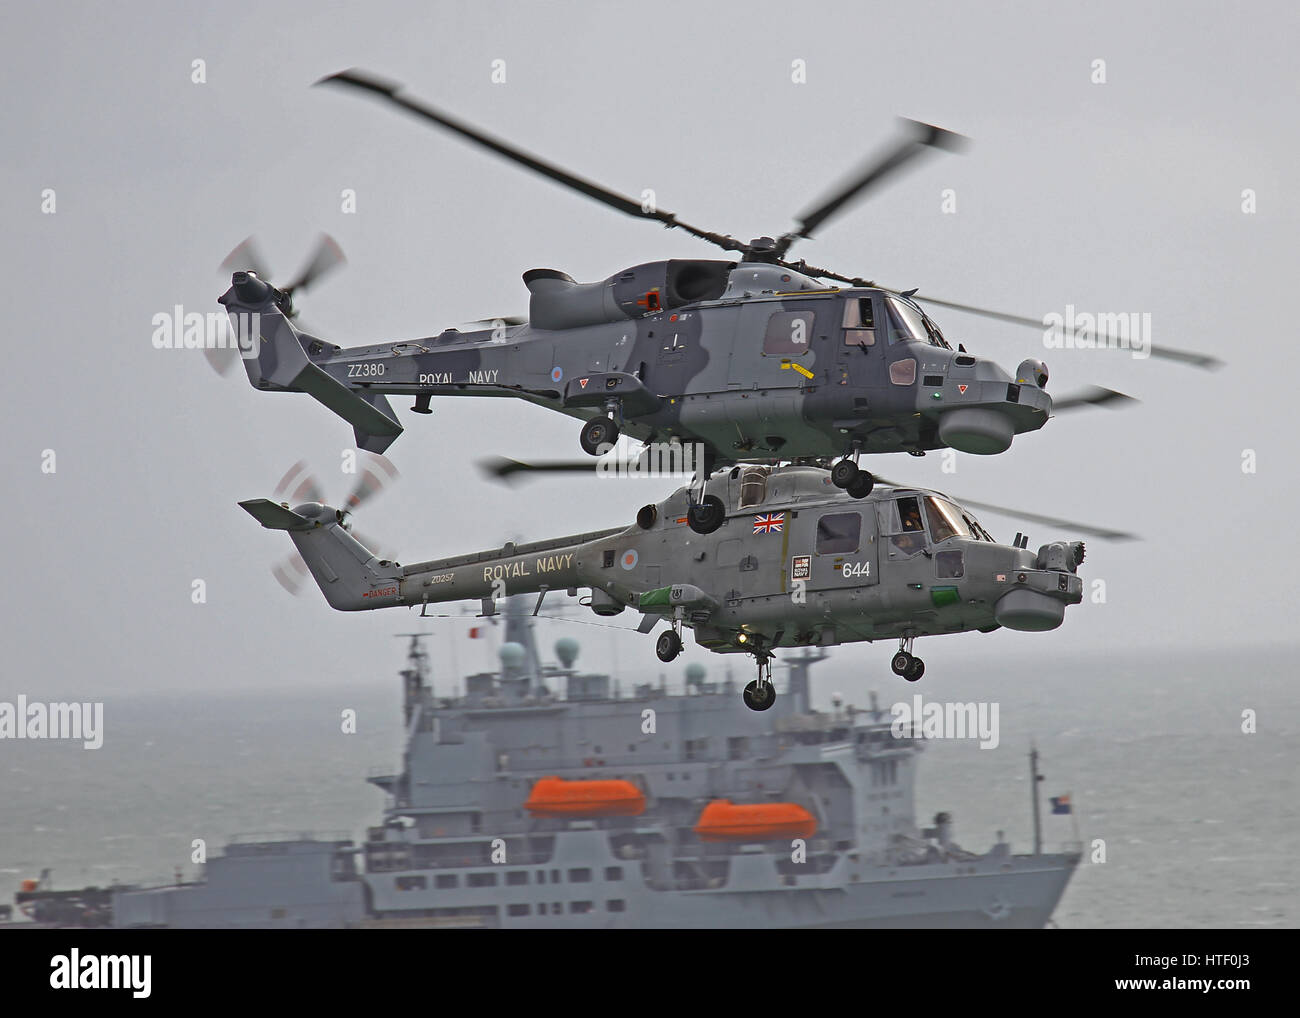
(754, 360)
(795, 562)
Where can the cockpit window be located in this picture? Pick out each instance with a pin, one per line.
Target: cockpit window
(945, 519)
(907, 321)
(753, 486)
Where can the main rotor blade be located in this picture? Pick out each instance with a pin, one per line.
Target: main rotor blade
(388, 90)
(1094, 395)
(502, 468)
(1020, 514)
(923, 137)
(1196, 360)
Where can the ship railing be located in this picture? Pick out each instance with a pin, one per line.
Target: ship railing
(249, 837)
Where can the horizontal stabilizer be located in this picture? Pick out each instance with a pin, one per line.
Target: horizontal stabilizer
(274, 516)
(363, 415)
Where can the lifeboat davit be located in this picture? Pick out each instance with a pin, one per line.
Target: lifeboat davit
(723, 820)
(556, 797)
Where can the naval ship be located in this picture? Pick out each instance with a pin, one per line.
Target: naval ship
(545, 797)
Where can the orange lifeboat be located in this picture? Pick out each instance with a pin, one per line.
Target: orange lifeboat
(723, 820)
(556, 797)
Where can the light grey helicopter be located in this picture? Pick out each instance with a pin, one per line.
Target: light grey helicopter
(760, 359)
(793, 561)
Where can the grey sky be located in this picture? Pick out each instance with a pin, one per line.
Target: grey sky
(1117, 197)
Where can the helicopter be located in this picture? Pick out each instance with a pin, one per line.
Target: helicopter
(794, 561)
(759, 359)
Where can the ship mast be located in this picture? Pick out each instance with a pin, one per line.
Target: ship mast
(1034, 779)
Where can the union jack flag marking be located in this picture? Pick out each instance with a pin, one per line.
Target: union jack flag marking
(769, 523)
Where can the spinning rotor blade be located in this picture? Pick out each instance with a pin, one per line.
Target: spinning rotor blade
(247, 256)
(328, 257)
(291, 573)
(373, 478)
(298, 485)
(501, 468)
(923, 138)
(629, 206)
(1020, 514)
(1094, 395)
(1196, 360)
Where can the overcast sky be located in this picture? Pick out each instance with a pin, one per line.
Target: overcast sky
(1117, 197)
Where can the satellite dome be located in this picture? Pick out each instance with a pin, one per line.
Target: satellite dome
(695, 672)
(512, 655)
(566, 649)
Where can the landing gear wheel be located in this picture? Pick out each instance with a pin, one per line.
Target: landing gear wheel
(860, 486)
(914, 670)
(597, 432)
(707, 516)
(901, 663)
(668, 646)
(844, 473)
(759, 695)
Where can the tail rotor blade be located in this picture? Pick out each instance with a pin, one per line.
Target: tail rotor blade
(247, 256)
(374, 477)
(299, 485)
(327, 257)
(291, 573)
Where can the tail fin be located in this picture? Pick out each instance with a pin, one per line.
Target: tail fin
(348, 574)
(275, 358)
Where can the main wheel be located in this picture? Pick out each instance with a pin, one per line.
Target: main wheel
(707, 516)
(597, 432)
(915, 670)
(759, 695)
(901, 663)
(668, 646)
(860, 486)
(843, 473)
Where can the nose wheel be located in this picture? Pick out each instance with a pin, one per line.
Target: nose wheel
(905, 663)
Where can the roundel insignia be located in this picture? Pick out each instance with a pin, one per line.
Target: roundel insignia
(557, 373)
(630, 558)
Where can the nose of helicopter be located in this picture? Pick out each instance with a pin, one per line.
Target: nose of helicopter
(986, 408)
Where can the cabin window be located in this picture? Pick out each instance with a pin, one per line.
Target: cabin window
(859, 322)
(411, 883)
(613, 872)
(912, 538)
(753, 486)
(838, 533)
(788, 333)
(947, 565)
(446, 880)
(903, 372)
(579, 906)
(615, 905)
(580, 876)
(482, 880)
(520, 909)
(516, 877)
